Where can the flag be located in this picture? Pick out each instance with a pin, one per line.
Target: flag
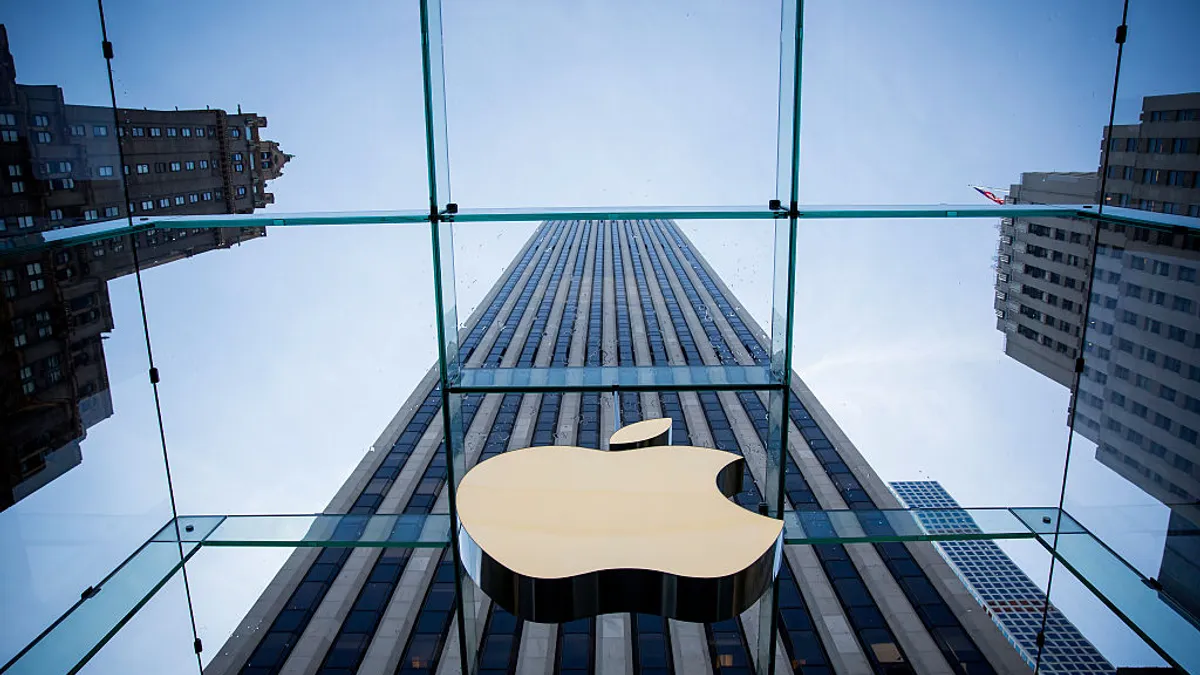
(989, 194)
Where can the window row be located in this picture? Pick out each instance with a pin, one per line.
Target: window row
(178, 200)
(1177, 303)
(1154, 145)
(1153, 205)
(1171, 177)
(168, 167)
(1058, 234)
(177, 132)
(1185, 115)
(1053, 277)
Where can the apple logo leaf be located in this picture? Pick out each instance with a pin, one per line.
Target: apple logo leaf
(557, 533)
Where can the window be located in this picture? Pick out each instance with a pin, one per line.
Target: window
(105, 171)
(99, 130)
(55, 214)
(8, 136)
(78, 130)
(1169, 207)
(176, 166)
(1176, 333)
(1179, 146)
(238, 167)
(164, 202)
(241, 191)
(148, 205)
(1186, 273)
(17, 186)
(8, 119)
(1166, 393)
(143, 168)
(1156, 145)
(1181, 304)
(160, 167)
(199, 132)
(155, 132)
(193, 198)
(112, 211)
(204, 164)
(45, 137)
(66, 184)
(1162, 421)
(189, 166)
(207, 196)
(91, 214)
(35, 285)
(137, 131)
(236, 133)
(179, 200)
(41, 121)
(1172, 364)
(237, 156)
(15, 170)
(172, 132)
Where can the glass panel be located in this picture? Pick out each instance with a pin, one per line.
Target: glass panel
(1131, 477)
(79, 633)
(922, 125)
(601, 122)
(165, 616)
(79, 494)
(1152, 613)
(407, 530)
(871, 525)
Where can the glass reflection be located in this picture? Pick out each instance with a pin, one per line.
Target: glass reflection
(1138, 356)
(66, 165)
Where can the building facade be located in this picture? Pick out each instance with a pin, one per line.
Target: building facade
(1139, 387)
(1153, 165)
(613, 293)
(61, 166)
(1006, 593)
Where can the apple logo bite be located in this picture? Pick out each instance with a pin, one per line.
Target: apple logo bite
(557, 533)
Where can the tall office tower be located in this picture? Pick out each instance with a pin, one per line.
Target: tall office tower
(614, 293)
(1013, 601)
(62, 163)
(1139, 394)
(60, 166)
(1152, 166)
(1042, 266)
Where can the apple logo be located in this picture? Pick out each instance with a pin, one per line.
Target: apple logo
(557, 533)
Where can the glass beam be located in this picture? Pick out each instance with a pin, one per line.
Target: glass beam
(316, 530)
(608, 378)
(101, 611)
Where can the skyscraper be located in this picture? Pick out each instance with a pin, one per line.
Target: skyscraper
(1008, 595)
(61, 167)
(1139, 390)
(591, 293)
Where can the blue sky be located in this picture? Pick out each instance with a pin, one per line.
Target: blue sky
(284, 359)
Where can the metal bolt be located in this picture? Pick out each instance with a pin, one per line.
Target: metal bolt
(1046, 519)
(188, 528)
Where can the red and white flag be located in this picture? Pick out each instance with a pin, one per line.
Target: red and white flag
(989, 194)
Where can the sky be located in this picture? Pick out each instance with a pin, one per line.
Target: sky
(284, 358)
